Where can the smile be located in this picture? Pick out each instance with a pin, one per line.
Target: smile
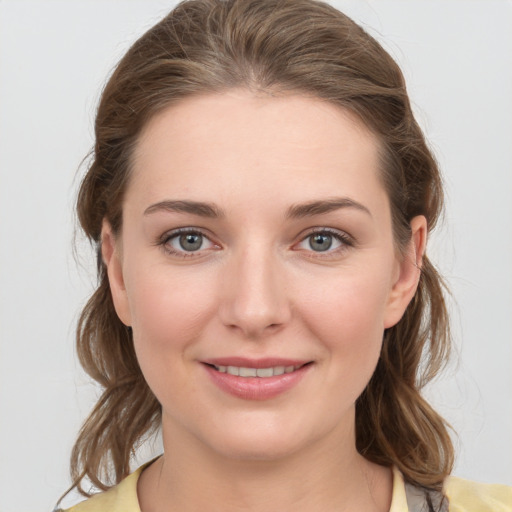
(242, 371)
(256, 379)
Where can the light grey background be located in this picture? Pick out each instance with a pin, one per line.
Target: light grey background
(54, 57)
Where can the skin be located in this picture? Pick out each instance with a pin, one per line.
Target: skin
(258, 288)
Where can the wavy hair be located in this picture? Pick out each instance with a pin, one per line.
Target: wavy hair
(303, 47)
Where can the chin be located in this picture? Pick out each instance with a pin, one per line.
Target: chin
(263, 440)
(262, 449)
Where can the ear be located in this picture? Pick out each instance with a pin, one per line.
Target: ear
(111, 254)
(408, 273)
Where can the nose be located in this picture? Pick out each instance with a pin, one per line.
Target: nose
(255, 300)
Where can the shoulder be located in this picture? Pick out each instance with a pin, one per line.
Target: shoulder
(463, 496)
(467, 496)
(121, 498)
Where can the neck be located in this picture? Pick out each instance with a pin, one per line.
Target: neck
(328, 475)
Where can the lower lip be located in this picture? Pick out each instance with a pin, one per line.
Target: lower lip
(257, 388)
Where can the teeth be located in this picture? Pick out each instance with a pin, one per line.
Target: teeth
(247, 372)
(233, 370)
(279, 370)
(256, 372)
(265, 372)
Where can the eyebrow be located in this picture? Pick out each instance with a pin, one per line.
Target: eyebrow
(194, 207)
(324, 206)
(297, 211)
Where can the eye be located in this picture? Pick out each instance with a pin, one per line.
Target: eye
(325, 240)
(188, 242)
(185, 242)
(321, 241)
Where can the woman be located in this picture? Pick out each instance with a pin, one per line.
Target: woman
(260, 198)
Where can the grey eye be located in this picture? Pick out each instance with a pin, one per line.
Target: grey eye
(187, 242)
(320, 242)
(190, 241)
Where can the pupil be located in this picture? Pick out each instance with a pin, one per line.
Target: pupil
(320, 242)
(191, 241)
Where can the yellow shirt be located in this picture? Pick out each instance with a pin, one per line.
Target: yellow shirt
(463, 496)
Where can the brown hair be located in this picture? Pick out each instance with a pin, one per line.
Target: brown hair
(271, 46)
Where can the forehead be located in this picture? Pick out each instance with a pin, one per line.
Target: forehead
(248, 145)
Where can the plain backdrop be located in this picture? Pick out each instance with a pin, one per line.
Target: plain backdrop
(54, 58)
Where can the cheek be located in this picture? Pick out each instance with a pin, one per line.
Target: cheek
(168, 315)
(347, 317)
(354, 303)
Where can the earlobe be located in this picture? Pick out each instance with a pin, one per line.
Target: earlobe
(110, 252)
(409, 273)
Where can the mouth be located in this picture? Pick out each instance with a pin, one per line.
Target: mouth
(262, 373)
(261, 379)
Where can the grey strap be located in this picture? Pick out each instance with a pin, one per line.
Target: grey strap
(425, 500)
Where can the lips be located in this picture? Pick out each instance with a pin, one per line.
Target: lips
(243, 371)
(260, 379)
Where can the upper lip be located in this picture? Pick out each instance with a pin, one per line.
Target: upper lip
(265, 362)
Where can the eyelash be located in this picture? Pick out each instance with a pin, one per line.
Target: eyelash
(345, 240)
(165, 240)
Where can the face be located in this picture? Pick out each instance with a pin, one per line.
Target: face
(257, 268)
